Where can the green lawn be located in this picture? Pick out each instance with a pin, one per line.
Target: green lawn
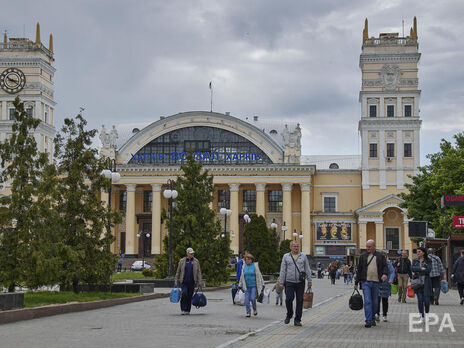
(43, 298)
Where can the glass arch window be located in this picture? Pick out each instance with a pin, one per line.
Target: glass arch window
(209, 145)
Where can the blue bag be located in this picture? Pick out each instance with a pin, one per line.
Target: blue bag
(444, 286)
(175, 295)
(199, 299)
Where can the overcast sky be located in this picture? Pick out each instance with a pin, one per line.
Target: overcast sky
(133, 61)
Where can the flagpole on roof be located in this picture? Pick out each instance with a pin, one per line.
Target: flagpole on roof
(211, 89)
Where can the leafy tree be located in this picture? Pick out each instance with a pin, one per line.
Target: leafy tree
(22, 165)
(195, 224)
(263, 244)
(444, 175)
(83, 217)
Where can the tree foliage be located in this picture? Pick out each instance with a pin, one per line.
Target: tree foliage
(195, 225)
(263, 244)
(444, 175)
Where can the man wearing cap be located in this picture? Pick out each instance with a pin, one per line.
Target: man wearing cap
(188, 274)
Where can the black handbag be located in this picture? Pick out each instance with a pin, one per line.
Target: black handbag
(356, 301)
(261, 297)
(418, 282)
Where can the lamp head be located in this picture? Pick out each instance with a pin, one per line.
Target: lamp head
(223, 211)
(229, 212)
(174, 194)
(115, 177)
(106, 173)
(167, 193)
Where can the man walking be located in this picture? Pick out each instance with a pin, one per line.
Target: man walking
(404, 273)
(294, 269)
(372, 268)
(188, 274)
(458, 276)
(436, 275)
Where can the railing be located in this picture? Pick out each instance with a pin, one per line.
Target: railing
(408, 41)
(24, 45)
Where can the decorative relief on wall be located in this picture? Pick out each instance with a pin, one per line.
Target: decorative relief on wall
(390, 76)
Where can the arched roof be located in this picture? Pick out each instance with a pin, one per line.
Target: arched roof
(205, 119)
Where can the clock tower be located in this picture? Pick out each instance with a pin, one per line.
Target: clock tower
(26, 71)
(390, 122)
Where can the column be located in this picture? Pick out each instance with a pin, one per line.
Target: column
(399, 159)
(382, 154)
(382, 107)
(362, 226)
(156, 241)
(260, 200)
(131, 248)
(416, 149)
(233, 223)
(365, 158)
(306, 218)
(379, 242)
(287, 208)
(4, 110)
(399, 109)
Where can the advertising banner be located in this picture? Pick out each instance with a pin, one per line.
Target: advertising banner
(333, 231)
(458, 221)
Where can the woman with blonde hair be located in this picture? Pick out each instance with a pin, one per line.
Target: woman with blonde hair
(251, 280)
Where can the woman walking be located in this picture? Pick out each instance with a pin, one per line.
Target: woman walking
(385, 290)
(251, 279)
(421, 267)
(332, 272)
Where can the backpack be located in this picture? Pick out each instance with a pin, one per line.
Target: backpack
(199, 299)
(356, 301)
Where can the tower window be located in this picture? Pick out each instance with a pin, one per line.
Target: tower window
(373, 150)
(11, 113)
(407, 111)
(30, 111)
(390, 110)
(372, 110)
(407, 150)
(390, 150)
(333, 166)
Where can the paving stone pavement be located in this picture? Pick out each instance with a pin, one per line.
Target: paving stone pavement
(333, 324)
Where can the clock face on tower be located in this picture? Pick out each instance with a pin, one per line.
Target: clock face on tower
(12, 80)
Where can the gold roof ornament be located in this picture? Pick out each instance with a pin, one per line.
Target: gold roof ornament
(5, 39)
(415, 26)
(37, 33)
(365, 31)
(50, 44)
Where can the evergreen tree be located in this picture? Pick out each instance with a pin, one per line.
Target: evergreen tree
(263, 244)
(195, 224)
(22, 165)
(83, 217)
(444, 175)
(284, 248)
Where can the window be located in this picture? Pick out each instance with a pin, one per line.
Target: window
(122, 200)
(249, 200)
(373, 150)
(224, 199)
(147, 201)
(390, 110)
(333, 166)
(390, 150)
(196, 145)
(392, 238)
(407, 111)
(407, 150)
(275, 201)
(12, 112)
(330, 203)
(372, 110)
(30, 111)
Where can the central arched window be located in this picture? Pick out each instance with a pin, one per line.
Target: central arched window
(209, 145)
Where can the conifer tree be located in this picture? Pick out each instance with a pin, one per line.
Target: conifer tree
(83, 217)
(263, 244)
(196, 225)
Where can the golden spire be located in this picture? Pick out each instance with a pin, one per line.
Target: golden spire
(37, 33)
(415, 26)
(411, 32)
(50, 44)
(365, 31)
(5, 39)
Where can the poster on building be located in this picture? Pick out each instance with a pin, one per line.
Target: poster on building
(333, 231)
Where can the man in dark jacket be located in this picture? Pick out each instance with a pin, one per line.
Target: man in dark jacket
(458, 275)
(404, 273)
(372, 268)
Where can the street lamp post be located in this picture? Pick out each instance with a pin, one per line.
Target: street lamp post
(110, 173)
(143, 236)
(284, 228)
(295, 234)
(226, 212)
(247, 219)
(170, 194)
(301, 241)
(274, 226)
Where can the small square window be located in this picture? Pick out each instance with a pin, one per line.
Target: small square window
(373, 150)
(390, 110)
(407, 150)
(372, 110)
(407, 111)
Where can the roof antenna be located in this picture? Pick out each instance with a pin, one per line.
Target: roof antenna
(402, 21)
(81, 109)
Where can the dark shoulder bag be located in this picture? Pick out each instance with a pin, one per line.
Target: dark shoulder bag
(302, 275)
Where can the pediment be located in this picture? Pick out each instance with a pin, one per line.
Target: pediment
(381, 205)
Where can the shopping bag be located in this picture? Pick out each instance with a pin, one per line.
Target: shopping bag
(240, 298)
(410, 291)
(356, 301)
(175, 295)
(267, 296)
(308, 299)
(199, 299)
(444, 286)
(394, 288)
